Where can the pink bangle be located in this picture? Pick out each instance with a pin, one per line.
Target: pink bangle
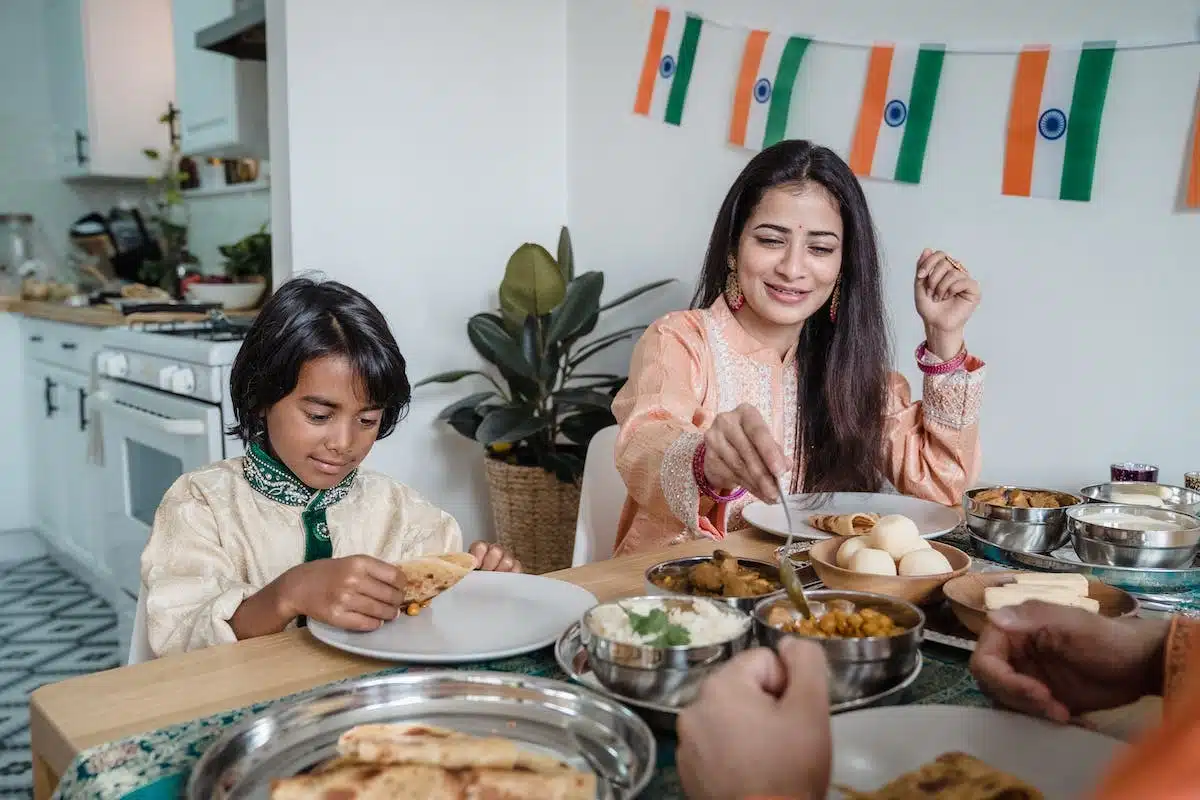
(945, 367)
(702, 481)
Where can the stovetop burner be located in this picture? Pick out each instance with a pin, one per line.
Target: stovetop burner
(217, 328)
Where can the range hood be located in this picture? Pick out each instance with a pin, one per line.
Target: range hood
(243, 35)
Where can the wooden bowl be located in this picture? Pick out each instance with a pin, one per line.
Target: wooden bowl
(920, 590)
(966, 597)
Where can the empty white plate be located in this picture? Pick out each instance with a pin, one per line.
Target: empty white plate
(485, 616)
(933, 519)
(877, 745)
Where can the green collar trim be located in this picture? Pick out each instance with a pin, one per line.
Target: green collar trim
(273, 480)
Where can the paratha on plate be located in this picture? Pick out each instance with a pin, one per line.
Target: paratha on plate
(953, 776)
(427, 577)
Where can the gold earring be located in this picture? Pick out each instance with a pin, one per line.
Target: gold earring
(835, 301)
(733, 290)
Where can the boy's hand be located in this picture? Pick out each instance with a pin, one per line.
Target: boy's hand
(493, 558)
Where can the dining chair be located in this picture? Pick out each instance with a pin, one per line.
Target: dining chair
(601, 498)
(139, 644)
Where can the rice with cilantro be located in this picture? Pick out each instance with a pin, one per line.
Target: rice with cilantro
(666, 622)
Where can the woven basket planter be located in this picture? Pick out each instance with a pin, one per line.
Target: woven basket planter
(535, 515)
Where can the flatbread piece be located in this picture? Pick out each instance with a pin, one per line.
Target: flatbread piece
(953, 776)
(427, 577)
(858, 524)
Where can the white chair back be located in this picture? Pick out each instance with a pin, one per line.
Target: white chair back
(139, 645)
(601, 498)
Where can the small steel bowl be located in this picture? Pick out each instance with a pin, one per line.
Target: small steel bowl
(857, 667)
(1175, 498)
(1026, 530)
(664, 675)
(1096, 541)
(745, 604)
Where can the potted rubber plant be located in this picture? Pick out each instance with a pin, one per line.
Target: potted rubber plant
(542, 404)
(247, 277)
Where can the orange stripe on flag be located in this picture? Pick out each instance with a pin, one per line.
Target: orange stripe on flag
(1192, 197)
(751, 59)
(654, 51)
(870, 113)
(1023, 121)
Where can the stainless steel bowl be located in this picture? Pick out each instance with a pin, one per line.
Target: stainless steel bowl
(678, 565)
(1176, 498)
(857, 667)
(664, 675)
(1098, 541)
(1026, 530)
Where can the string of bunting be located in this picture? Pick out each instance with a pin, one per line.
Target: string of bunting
(1055, 109)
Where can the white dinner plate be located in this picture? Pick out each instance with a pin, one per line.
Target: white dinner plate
(877, 745)
(933, 519)
(485, 616)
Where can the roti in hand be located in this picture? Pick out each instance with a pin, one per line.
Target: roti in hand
(427, 577)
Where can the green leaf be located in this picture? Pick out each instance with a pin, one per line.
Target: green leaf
(452, 376)
(566, 254)
(593, 347)
(566, 467)
(583, 397)
(151, 153)
(530, 344)
(638, 292)
(465, 421)
(510, 424)
(532, 284)
(656, 624)
(581, 427)
(493, 343)
(579, 307)
(470, 401)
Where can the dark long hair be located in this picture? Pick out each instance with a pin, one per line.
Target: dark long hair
(842, 384)
(308, 319)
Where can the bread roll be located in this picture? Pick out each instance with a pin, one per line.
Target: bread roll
(896, 535)
(848, 549)
(925, 561)
(870, 561)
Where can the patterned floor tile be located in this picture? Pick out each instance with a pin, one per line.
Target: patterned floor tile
(52, 627)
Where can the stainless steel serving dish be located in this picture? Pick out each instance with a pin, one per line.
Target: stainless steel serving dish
(1097, 541)
(1029, 530)
(665, 675)
(857, 667)
(679, 565)
(1175, 498)
(293, 737)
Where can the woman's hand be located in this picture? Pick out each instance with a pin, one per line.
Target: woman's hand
(759, 727)
(493, 558)
(946, 297)
(355, 593)
(739, 450)
(1056, 662)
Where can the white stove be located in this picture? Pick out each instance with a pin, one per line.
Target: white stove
(163, 405)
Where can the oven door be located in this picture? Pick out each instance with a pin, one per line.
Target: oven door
(151, 438)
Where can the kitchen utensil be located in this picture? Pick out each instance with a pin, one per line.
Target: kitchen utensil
(932, 519)
(1176, 498)
(965, 595)
(1030, 530)
(787, 570)
(1101, 533)
(919, 589)
(767, 569)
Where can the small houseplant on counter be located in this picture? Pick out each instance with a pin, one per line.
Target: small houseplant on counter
(168, 215)
(537, 419)
(247, 274)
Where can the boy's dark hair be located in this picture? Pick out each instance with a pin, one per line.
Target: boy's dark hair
(307, 319)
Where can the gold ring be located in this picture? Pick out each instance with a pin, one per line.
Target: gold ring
(956, 264)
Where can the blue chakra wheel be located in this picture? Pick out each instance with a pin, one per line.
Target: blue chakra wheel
(894, 113)
(666, 67)
(1052, 124)
(762, 90)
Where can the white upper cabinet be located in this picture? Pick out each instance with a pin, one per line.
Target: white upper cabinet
(111, 67)
(222, 101)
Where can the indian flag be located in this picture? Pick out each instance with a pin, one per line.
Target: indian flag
(763, 99)
(667, 67)
(896, 112)
(1054, 121)
(1191, 191)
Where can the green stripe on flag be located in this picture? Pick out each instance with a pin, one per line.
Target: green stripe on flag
(1083, 125)
(928, 73)
(683, 70)
(781, 92)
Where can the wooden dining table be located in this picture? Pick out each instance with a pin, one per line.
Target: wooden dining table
(69, 717)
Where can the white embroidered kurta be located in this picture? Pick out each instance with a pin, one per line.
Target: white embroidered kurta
(217, 541)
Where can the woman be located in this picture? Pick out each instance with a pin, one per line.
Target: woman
(760, 727)
(781, 367)
(250, 546)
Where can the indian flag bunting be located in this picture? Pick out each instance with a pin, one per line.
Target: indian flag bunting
(896, 112)
(766, 80)
(667, 67)
(1191, 191)
(1054, 121)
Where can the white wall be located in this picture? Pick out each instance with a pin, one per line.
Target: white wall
(220, 219)
(427, 141)
(1089, 315)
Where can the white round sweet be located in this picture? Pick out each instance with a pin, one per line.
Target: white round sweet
(848, 549)
(870, 561)
(926, 561)
(896, 535)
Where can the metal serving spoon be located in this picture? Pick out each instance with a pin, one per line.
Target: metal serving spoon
(787, 570)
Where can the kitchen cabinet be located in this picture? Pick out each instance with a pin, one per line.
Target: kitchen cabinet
(111, 70)
(222, 100)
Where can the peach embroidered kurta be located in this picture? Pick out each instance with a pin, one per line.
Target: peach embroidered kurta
(690, 366)
(217, 540)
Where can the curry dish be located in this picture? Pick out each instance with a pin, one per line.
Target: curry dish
(838, 623)
(1023, 498)
(722, 576)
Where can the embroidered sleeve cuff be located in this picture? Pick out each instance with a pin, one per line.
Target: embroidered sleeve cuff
(678, 483)
(953, 400)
